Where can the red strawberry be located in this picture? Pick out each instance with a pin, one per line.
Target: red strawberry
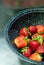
(35, 56)
(32, 29)
(40, 28)
(26, 51)
(40, 49)
(34, 44)
(20, 42)
(24, 32)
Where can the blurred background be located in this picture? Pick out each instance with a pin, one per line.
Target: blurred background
(23, 3)
(9, 8)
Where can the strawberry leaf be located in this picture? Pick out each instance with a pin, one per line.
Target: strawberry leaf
(41, 33)
(40, 56)
(24, 49)
(28, 32)
(27, 40)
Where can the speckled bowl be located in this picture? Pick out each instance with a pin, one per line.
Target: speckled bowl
(25, 18)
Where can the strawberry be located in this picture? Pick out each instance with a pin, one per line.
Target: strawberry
(24, 32)
(34, 44)
(20, 42)
(35, 35)
(40, 28)
(32, 29)
(40, 49)
(36, 57)
(26, 51)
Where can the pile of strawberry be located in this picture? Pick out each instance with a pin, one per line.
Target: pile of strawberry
(31, 42)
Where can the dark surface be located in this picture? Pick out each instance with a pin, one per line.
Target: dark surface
(26, 18)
